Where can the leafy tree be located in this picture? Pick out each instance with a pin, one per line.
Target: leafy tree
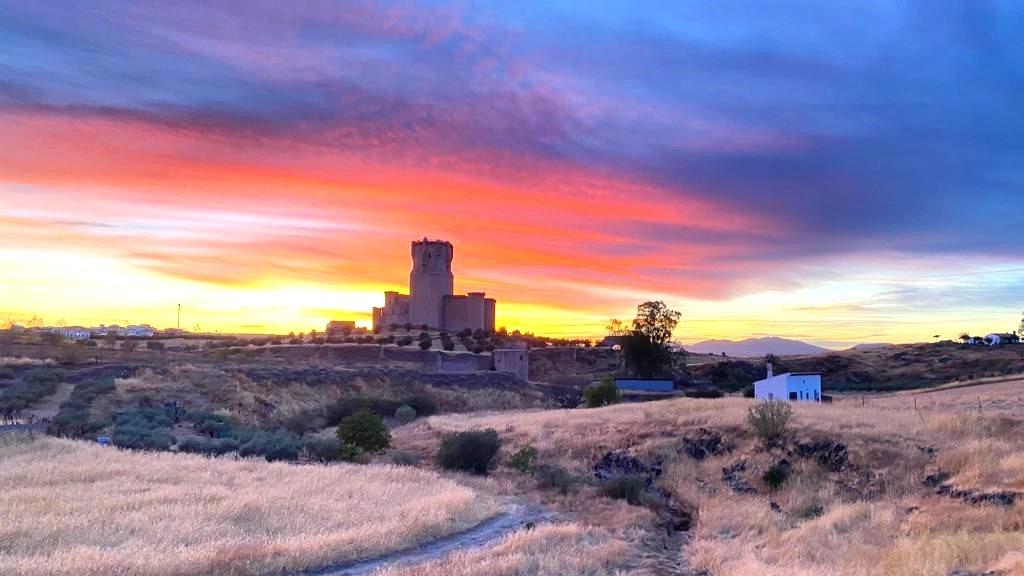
(616, 327)
(366, 431)
(604, 394)
(524, 460)
(425, 344)
(645, 348)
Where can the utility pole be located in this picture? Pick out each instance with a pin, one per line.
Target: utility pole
(179, 316)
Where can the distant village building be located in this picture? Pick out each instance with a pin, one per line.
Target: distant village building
(432, 300)
(336, 327)
(77, 333)
(142, 331)
(796, 386)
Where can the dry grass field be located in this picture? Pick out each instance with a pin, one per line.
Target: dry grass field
(874, 516)
(77, 509)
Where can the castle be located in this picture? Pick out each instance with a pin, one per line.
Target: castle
(431, 300)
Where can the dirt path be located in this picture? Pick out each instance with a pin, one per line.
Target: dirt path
(517, 516)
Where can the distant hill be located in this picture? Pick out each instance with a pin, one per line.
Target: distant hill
(870, 346)
(755, 347)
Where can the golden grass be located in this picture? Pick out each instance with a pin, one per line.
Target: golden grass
(552, 550)
(877, 516)
(71, 508)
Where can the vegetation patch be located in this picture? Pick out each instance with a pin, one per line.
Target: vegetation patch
(470, 451)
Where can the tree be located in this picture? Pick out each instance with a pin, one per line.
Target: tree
(1020, 332)
(366, 431)
(604, 394)
(615, 327)
(110, 338)
(645, 348)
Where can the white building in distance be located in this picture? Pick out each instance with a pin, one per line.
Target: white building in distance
(796, 386)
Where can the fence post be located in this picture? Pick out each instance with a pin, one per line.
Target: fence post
(979, 404)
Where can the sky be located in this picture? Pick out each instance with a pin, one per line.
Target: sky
(837, 172)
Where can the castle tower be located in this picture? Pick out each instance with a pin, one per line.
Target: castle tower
(430, 281)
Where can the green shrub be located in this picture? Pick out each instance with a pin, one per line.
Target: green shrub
(405, 414)
(321, 449)
(143, 429)
(366, 431)
(349, 453)
(705, 393)
(403, 458)
(36, 386)
(770, 420)
(808, 511)
(553, 477)
(271, 445)
(346, 407)
(469, 451)
(604, 394)
(74, 418)
(42, 376)
(300, 423)
(154, 345)
(208, 446)
(748, 392)
(423, 404)
(775, 476)
(524, 460)
(213, 425)
(425, 344)
(626, 487)
(404, 341)
(448, 345)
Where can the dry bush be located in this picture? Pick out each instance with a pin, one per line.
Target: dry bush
(79, 509)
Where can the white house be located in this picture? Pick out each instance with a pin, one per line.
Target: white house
(798, 386)
(1001, 339)
(74, 332)
(143, 331)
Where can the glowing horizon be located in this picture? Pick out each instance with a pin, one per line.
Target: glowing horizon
(267, 168)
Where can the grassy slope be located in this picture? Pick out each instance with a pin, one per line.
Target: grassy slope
(73, 508)
(877, 516)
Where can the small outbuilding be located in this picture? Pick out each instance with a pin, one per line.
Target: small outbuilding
(796, 386)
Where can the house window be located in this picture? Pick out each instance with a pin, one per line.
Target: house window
(771, 396)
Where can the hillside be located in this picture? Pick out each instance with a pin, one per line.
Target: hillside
(896, 367)
(755, 347)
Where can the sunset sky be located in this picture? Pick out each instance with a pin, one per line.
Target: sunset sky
(837, 172)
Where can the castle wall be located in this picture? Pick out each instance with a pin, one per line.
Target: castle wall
(455, 313)
(514, 361)
(489, 305)
(475, 310)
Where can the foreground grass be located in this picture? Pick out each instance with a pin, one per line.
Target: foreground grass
(71, 508)
(874, 517)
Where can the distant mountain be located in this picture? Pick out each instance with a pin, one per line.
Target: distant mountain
(870, 346)
(756, 347)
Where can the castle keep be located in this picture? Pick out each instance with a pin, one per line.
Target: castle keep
(431, 299)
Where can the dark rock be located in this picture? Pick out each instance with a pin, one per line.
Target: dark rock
(832, 456)
(929, 451)
(969, 573)
(775, 507)
(615, 464)
(706, 443)
(731, 476)
(937, 479)
(1003, 498)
